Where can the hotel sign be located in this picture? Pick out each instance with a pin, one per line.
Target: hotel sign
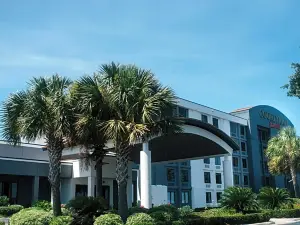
(275, 121)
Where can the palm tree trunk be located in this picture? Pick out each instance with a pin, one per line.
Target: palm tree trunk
(294, 179)
(54, 179)
(99, 192)
(122, 177)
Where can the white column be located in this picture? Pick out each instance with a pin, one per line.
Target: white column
(145, 174)
(228, 172)
(138, 186)
(35, 188)
(91, 186)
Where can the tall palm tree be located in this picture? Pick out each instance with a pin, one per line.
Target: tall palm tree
(138, 104)
(91, 110)
(41, 111)
(283, 155)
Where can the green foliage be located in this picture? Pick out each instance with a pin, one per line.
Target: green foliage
(85, 209)
(140, 219)
(274, 198)
(4, 201)
(109, 219)
(10, 210)
(169, 209)
(162, 217)
(61, 220)
(240, 199)
(32, 216)
(137, 209)
(2, 223)
(218, 212)
(283, 213)
(42, 204)
(185, 212)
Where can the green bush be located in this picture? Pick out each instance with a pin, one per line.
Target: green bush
(85, 209)
(109, 219)
(42, 204)
(170, 209)
(161, 217)
(61, 220)
(240, 199)
(2, 223)
(185, 212)
(137, 209)
(10, 210)
(32, 216)
(178, 222)
(272, 198)
(230, 219)
(283, 213)
(140, 219)
(4, 201)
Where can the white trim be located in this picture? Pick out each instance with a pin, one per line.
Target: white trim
(29, 160)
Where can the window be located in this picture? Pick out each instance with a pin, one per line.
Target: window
(215, 122)
(245, 164)
(171, 197)
(219, 196)
(218, 161)
(207, 161)
(207, 177)
(204, 118)
(233, 129)
(243, 146)
(171, 175)
(243, 131)
(246, 180)
(218, 178)
(185, 197)
(208, 197)
(184, 163)
(263, 134)
(236, 179)
(267, 181)
(235, 162)
(81, 190)
(184, 176)
(180, 112)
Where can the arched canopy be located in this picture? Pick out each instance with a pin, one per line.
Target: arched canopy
(198, 140)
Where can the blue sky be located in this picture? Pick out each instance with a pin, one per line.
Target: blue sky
(223, 54)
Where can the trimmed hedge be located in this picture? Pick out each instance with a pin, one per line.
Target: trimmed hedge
(31, 216)
(4, 201)
(109, 219)
(10, 210)
(136, 209)
(230, 219)
(283, 213)
(61, 220)
(2, 223)
(140, 219)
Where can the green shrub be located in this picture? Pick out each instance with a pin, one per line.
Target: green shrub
(10, 210)
(32, 216)
(272, 198)
(140, 219)
(185, 212)
(283, 213)
(137, 209)
(218, 212)
(109, 219)
(178, 222)
(4, 201)
(170, 209)
(66, 212)
(240, 199)
(42, 204)
(85, 209)
(161, 217)
(2, 223)
(61, 220)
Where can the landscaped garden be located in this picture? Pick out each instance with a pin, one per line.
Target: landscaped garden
(237, 206)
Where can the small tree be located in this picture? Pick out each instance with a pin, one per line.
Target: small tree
(274, 198)
(240, 199)
(283, 155)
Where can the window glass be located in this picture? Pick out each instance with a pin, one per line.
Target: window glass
(185, 197)
(233, 129)
(219, 195)
(184, 176)
(242, 131)
(215, 122)
(183, 112)
(207, 177)
(218, 161)
(236, 179)
(235, 161)
(81, 190)
(245, 164)
(243, 146)
(207, 161)
(204, 118)
(218, 178)
(171, 197)
(246, 180)
(208, 197)
(171, 174)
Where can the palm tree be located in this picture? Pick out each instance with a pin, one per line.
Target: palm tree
(138, 104)
(41, 111)
(91, 111)
(283, 155)
(274, 198)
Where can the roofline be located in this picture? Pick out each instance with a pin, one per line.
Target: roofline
(212, 108)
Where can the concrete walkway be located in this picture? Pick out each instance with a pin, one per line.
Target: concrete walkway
(284, 221)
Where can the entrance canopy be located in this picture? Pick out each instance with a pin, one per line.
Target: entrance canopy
(198, 140)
